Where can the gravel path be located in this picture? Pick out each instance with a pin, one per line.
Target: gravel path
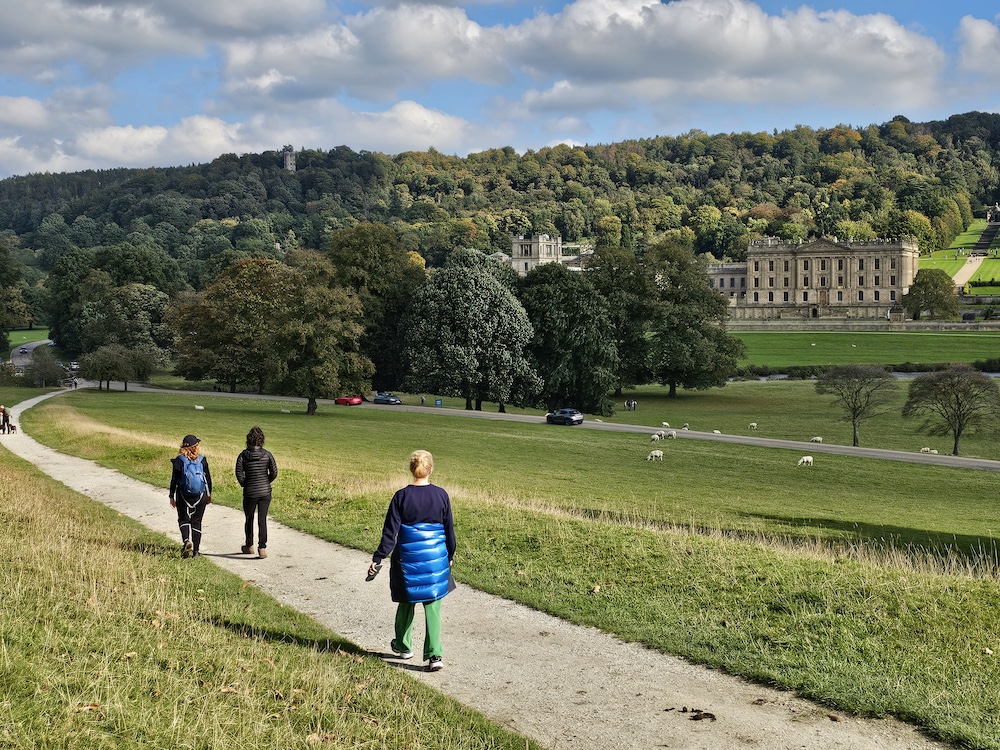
(563, 685)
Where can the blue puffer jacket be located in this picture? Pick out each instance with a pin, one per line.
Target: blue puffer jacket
(423, 559)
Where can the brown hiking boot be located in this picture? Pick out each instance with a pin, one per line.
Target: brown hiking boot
(262, 553)
(247, 549)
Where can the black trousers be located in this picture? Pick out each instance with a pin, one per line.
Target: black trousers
(190, 511)
(258, 505)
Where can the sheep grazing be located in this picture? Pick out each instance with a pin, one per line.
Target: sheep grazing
(925, 450)
(661, 433)
(816, 439)
(753, 425)
(806, 461)
(665, 424)
(685, 426)
(672, 434)
(716, 432)
(286, 411)
(932, 451)
(199, 408)
(655, 456)
(654, 437)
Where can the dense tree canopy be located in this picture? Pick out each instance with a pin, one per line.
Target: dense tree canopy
(933, 292)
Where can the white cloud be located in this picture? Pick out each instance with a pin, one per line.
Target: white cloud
(980, 45)
(728, 50)
(22, 113)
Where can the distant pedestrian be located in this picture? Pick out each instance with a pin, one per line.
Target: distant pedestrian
(190, 493)
(255, 470)
(419, 534)
(422, 399)
(4, 419)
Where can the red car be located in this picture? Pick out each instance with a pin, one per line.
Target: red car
(348, 400)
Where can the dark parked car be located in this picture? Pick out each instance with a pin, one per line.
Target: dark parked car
(386, 398)
(23, 350)
(564, 416)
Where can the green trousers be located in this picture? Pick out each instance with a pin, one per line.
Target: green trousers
(432, 620)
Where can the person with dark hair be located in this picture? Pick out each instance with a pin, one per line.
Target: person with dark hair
(190, 493)
(420, 535)
(255, 470)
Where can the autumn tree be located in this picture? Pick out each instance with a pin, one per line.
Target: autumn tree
(953, 402)
(862, 391)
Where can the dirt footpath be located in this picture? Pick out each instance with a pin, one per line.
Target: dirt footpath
(563, 685)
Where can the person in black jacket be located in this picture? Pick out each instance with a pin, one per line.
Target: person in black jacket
(190, 493)
(255, 470)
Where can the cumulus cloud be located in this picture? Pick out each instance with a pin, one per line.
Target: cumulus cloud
(728, 50)
(980, 45)
(371, 55)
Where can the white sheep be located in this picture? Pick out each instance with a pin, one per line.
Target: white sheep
(661, 433)
(753, 425)
(806, 461)
(286, 411)
(665, 424)
(925, 450)
(932, 451)
(654, 456)
(672, 434)
(654, 437)
(816, 439)
(199, 408)
(599, 420)
(716, 432)
(685, 426)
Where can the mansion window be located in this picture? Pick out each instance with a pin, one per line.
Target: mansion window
(840, 264)
(743, 282)
(770, 265)
(892, 264)
(722, 283)
(878, 280)
(805, 281)
(822, 280)
(756, 282)
(861, 280)
(876, 295)
(786, 266)
(861, 296)
(840, 281)
(861, 264)
(770, 296)
(892, 296)
(756, 265)
(805, 296)
(784, 296)
(822, 265)
(877, 265)
(785, 281)
(805, 265)
(732, 282)
(892, 281)
(756, 297)
(770, 281)
(840, 296)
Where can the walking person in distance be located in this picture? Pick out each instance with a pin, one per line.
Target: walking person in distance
(190, 493)
(255, 470)
(420, 535)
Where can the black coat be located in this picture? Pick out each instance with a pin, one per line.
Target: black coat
(255, 470)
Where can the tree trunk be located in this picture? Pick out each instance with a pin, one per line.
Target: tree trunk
(479, 404)
(502, 410)
(311, 406)
(232, 386)
(125, 383)
(857, 441)
(958, 436)
(618, 391)
(672, 393)
(468, 403)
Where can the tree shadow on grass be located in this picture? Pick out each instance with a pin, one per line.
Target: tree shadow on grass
(885, 537)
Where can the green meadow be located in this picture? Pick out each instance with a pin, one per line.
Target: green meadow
(871, 586)
(788, 348)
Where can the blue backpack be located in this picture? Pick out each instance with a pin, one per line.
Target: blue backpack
(193, 477)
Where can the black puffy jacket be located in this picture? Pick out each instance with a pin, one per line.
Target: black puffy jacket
(255, 470)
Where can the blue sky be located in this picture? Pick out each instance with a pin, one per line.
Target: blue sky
(86, 84)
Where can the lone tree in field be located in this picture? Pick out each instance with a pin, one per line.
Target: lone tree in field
(862, 391)
(953, 401)
(934, 291)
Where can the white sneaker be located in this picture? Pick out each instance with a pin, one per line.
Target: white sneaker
(400, 654)
(435, 663)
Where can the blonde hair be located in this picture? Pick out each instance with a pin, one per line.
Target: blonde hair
(421, 464)
(191, 451)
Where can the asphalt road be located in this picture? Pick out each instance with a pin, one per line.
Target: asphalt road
(806, 448)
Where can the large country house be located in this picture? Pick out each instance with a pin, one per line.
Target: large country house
(824, 278)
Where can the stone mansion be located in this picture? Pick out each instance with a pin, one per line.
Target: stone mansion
(822, 278)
